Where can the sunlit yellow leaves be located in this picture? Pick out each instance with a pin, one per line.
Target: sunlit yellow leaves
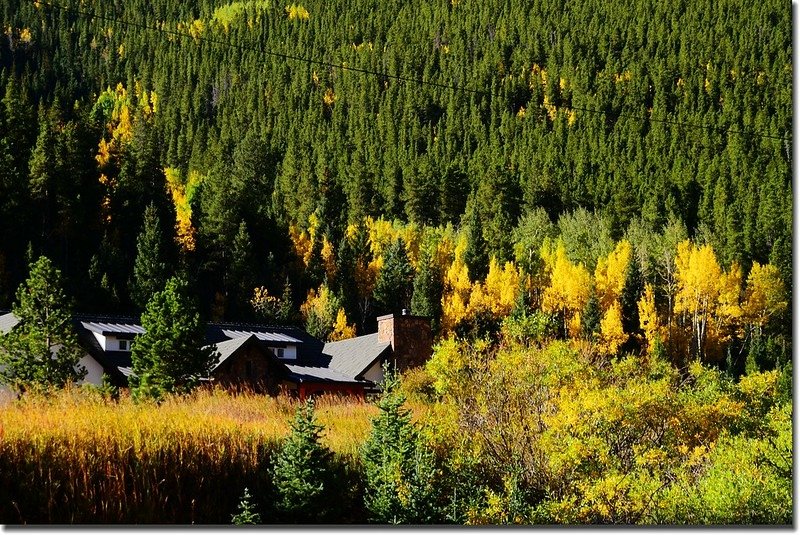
(329, 98)
(765, 295)
(730, 286)
(705, 293)
(301, 244)
(182, 191)
(570, 284)
(297, 12)
(328, 258)
(609, 275)
(612, 335)
(341, 329)
(648, 316)
(265, 304)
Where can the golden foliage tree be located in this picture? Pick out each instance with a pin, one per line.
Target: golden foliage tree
(612, 335)
(648, 317)
(569, 287)
(765, 295)
(609, 275)
(182, 191)
(707, 297)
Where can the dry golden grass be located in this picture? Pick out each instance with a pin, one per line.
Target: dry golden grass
(76, 457)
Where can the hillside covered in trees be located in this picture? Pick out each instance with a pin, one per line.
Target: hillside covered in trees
(616, 171)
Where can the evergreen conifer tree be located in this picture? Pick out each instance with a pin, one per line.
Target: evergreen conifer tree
(590, 318)
(475, 256)
(246, 515)
(399, 469)
(302, 471)
(396, 279)
(150, 268)
(427, 297)
(169, 356)
(632, 291)
(239, 276)
(42, 349)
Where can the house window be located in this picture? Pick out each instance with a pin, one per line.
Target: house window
(279, 352)
(124, 345)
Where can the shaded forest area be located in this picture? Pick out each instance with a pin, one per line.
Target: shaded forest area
(128, 151)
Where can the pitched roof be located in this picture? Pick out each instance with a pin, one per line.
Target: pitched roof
(7, 322)
(354, 356)
(264, 336)
(317, 374)
(307, 345)
(116, 363)
(113, 327)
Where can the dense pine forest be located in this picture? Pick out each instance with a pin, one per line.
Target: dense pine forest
(591, 200)
(294, 160)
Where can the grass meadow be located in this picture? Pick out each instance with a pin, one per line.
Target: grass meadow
(77, 457)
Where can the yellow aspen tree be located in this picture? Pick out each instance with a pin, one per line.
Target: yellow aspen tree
(609, 275)
(328, 254)
(341, 329)
(648, 317)
(380, 234)
(706, 297)
(412, 237)
(569, 287)
(457, 287)
(612, 335)
(182, 192)
(501, 287)
(729, 310)
(301, 244)
(765, 295)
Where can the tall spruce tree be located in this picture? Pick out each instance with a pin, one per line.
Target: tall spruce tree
(475, 255)
(396, 279)
(632, 291)
(169, 356)
(302, 472)
(399, 470)
(590, 317)
(150, 270)
(42, 349)
(427, 297)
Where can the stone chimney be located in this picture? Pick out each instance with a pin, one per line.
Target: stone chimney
(410, 336)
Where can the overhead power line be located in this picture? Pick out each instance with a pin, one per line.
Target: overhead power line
(384, 75)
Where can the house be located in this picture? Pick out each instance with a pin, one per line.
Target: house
(266, 358)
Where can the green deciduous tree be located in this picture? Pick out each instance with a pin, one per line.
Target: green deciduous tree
(169, 357)
(42, 349)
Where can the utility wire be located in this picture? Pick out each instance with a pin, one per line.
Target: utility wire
(385, 75)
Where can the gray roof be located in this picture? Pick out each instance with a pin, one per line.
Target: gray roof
(228, 348)
(317, 374)
(265, 336)
(112, 328)
(8, 322)
(354, 356)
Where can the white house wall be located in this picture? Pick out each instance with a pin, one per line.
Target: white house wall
(94, 372)
(101, 340)
(375, 372)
